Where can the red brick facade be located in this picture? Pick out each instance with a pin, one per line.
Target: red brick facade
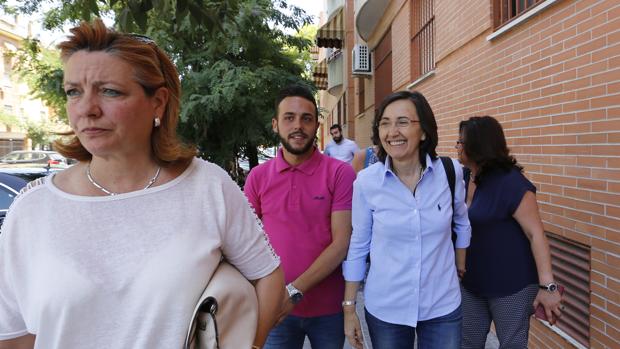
(553, 81)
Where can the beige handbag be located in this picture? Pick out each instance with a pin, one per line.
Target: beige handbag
(226, 316)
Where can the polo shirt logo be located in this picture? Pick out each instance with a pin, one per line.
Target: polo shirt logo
(319, 198)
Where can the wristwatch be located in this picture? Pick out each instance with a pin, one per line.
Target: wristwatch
(294, 294)
(550, 287)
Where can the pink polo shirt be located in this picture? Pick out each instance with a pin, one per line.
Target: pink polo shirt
(295, 204)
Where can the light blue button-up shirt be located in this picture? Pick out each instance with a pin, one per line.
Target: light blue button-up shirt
(412, 273)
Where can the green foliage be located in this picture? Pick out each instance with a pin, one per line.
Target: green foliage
(42, 71)
(39, 132)
(8, 119)
(232, 55)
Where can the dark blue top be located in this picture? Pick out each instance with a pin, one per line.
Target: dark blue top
(499, 257)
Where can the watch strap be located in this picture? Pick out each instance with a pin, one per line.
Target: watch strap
(550, 287)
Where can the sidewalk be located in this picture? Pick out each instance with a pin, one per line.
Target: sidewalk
(492, 342)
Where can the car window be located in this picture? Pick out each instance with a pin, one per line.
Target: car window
(56, 157)
(6, 198)
(11, 156)
(33, 156)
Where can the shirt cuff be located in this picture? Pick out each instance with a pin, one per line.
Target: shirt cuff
(354, 270)
(463, 239)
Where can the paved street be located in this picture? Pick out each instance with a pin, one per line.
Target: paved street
(492, 342)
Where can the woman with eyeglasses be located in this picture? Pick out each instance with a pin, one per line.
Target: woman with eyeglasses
(402, 216)
(508, 270)
(115, 251)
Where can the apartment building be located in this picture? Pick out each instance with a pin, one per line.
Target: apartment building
(16, 102)
(549, 71)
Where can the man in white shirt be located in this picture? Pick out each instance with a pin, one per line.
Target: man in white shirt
(340, 148)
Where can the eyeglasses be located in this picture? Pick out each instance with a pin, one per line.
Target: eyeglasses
(401, 123)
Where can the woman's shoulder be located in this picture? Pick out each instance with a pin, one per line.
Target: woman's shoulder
(512, 178)
(33, 192)
(209, 173)
(371, 173)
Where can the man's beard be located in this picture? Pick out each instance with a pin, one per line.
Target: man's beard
(337, 139)
(297, 151)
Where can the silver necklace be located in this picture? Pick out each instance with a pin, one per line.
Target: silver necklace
(100, 187)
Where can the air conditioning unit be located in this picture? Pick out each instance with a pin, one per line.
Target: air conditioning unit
(361, 63)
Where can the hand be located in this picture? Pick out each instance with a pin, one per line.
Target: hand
(551, 302)
(460, 273)
(285, 309)
(353, 329)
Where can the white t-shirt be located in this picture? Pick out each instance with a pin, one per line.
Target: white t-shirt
(122, 271)
(343, 151)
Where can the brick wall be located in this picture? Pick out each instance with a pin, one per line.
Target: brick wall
(401, 54)
(554, 84)
(458, 22)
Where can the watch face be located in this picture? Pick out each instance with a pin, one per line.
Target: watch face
(552, 287)
(296, 298)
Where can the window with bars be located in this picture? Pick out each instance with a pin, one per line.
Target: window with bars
(422, 37)
(571, 268)
(505, 11)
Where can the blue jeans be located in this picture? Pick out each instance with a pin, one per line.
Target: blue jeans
(442, 332)
(324, 332)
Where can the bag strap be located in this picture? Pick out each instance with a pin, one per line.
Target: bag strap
(448, 166)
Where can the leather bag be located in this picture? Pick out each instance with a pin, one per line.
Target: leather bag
(226, 316)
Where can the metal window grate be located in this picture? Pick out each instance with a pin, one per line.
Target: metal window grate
(422, 37)
(571, 268)
(505, 11)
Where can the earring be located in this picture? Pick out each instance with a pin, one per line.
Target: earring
(156, 122)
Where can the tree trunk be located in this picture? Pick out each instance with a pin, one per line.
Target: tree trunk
(251, 152)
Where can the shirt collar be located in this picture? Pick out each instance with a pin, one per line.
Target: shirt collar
(307, 167)
(387, 167)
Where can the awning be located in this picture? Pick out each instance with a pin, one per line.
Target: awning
(319, 75)
(331, 34)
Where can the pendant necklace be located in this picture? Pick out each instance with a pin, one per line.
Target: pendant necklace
(100, 187)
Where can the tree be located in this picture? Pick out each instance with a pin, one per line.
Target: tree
(233, 56)
(40, 133)
(41, 69)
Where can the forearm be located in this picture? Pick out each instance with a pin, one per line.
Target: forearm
(529, 220)
(350, 290)
(460, 255)
(542, 257)
(270, 291)
(323, 266)
(24, 342)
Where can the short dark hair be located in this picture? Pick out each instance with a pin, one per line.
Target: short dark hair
(427, 123)
(297, 91)
(336, 126)
(485, 145)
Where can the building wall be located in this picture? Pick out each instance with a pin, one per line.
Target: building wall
(401, 53)
(554, 84)
(460, 22)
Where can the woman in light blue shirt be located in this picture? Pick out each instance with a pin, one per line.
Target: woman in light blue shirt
(402, 216)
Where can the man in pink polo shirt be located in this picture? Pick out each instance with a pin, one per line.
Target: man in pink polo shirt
(304, 201)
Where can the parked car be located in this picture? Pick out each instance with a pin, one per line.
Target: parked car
(28, 173)
(12, 180)
(10, 186)
(35, 158)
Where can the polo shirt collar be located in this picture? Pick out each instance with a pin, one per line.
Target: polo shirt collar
(307, 167)
(387, 166)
